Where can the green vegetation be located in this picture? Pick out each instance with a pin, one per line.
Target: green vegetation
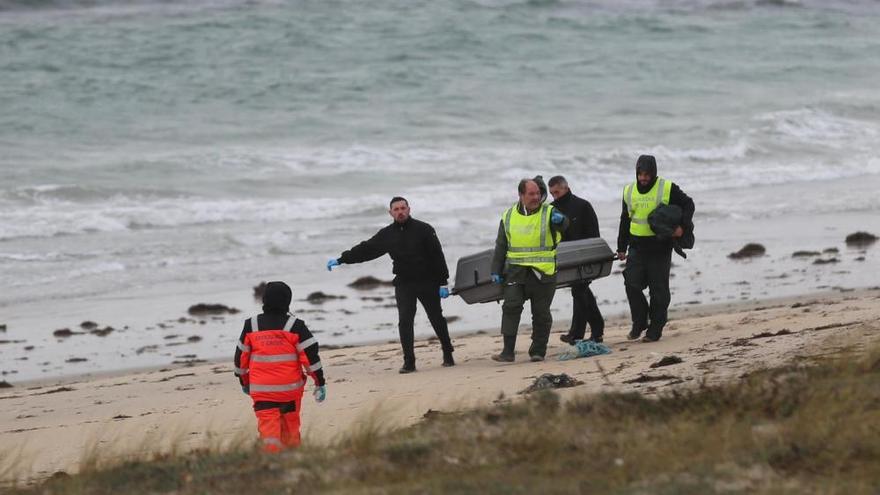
(797, 429)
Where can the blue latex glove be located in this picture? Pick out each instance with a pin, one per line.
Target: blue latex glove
(557, 217)
(332, 263)
(444, 292)
(320, 393)
(245, 390)
(497, 279)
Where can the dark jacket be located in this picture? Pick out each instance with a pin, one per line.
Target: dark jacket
(584, 223)
(414, 248)
(517, 273)
(652, 243)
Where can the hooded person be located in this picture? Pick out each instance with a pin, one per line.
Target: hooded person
(649, 256)
(275, 353)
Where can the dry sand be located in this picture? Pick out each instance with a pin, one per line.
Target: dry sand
(55, 426)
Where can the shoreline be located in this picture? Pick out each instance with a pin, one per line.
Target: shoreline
(190, 407)
(675, 312)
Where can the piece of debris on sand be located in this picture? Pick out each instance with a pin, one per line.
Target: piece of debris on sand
(860, 239)
(368, 283)
(5, 384)
(64, 332)
(548, 381)
(211, 309)
(750, 250)
(649, 378)
(320, 297)
(667, 361)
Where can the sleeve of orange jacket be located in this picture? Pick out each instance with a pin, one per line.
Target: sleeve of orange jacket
(242, 358)
(307, 349)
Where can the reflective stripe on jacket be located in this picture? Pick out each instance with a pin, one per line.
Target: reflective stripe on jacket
(641, 205)
(530, 240)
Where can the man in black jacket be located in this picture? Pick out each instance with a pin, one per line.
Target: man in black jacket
(584, 225)
(420, 274)
(650, 258)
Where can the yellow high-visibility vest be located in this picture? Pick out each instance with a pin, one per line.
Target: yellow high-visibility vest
(641, 205)
(530, 240)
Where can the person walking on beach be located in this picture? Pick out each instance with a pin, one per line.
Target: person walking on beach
(650, 258)
(420, 274)
(583, 225)
(272, 351)
(525, 262)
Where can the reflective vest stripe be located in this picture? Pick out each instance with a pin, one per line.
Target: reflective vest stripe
(307, 343)
(255, 325)
(242, 347)
(273, 358)
(241, 371)
(640, 221)
(290, 320)
(315, 367)
(273, 441)
(285, 387)
(536, 259)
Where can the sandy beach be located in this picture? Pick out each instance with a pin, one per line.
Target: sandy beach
(55, 426)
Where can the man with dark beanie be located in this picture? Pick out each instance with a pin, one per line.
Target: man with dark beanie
(583, 225)
(420, 274)
(649, 258)
(275, 353)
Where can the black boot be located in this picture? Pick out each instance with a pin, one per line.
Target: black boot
(507, 355)
(409, 366)
(447, 359)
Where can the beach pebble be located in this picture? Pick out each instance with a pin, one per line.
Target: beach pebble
(667, 361)
(805, 254)
(205, 309)
(860, 239)
(750, 250)
(88, 325)
(194, 338)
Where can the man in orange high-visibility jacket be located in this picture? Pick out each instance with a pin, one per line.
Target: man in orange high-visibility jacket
(273, 351)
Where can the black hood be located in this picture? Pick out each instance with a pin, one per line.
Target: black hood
(277, 297)
(646, 163)
(541, 187)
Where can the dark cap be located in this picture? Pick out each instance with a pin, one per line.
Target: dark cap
(277, 297)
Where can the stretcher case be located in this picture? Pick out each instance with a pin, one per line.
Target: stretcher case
(576, 261)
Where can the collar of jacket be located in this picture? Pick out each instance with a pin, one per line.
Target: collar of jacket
(404, 225)
(522, 209)
(565, 198)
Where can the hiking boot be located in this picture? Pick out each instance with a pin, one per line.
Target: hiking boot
(634, 334)
(568, 339)
(407, 368)
(535, 358)
(503, 358)
(647, 339)
(447, 360)
(597, 340)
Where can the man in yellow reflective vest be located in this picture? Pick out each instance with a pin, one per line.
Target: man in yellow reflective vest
(649, 258)
(525, 263)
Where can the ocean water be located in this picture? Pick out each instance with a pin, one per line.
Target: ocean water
(155, 151)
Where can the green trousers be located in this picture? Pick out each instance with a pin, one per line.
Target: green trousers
(540, 296)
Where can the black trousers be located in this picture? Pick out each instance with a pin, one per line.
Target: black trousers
(407, 293)
(648, 269)
(585, 310)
